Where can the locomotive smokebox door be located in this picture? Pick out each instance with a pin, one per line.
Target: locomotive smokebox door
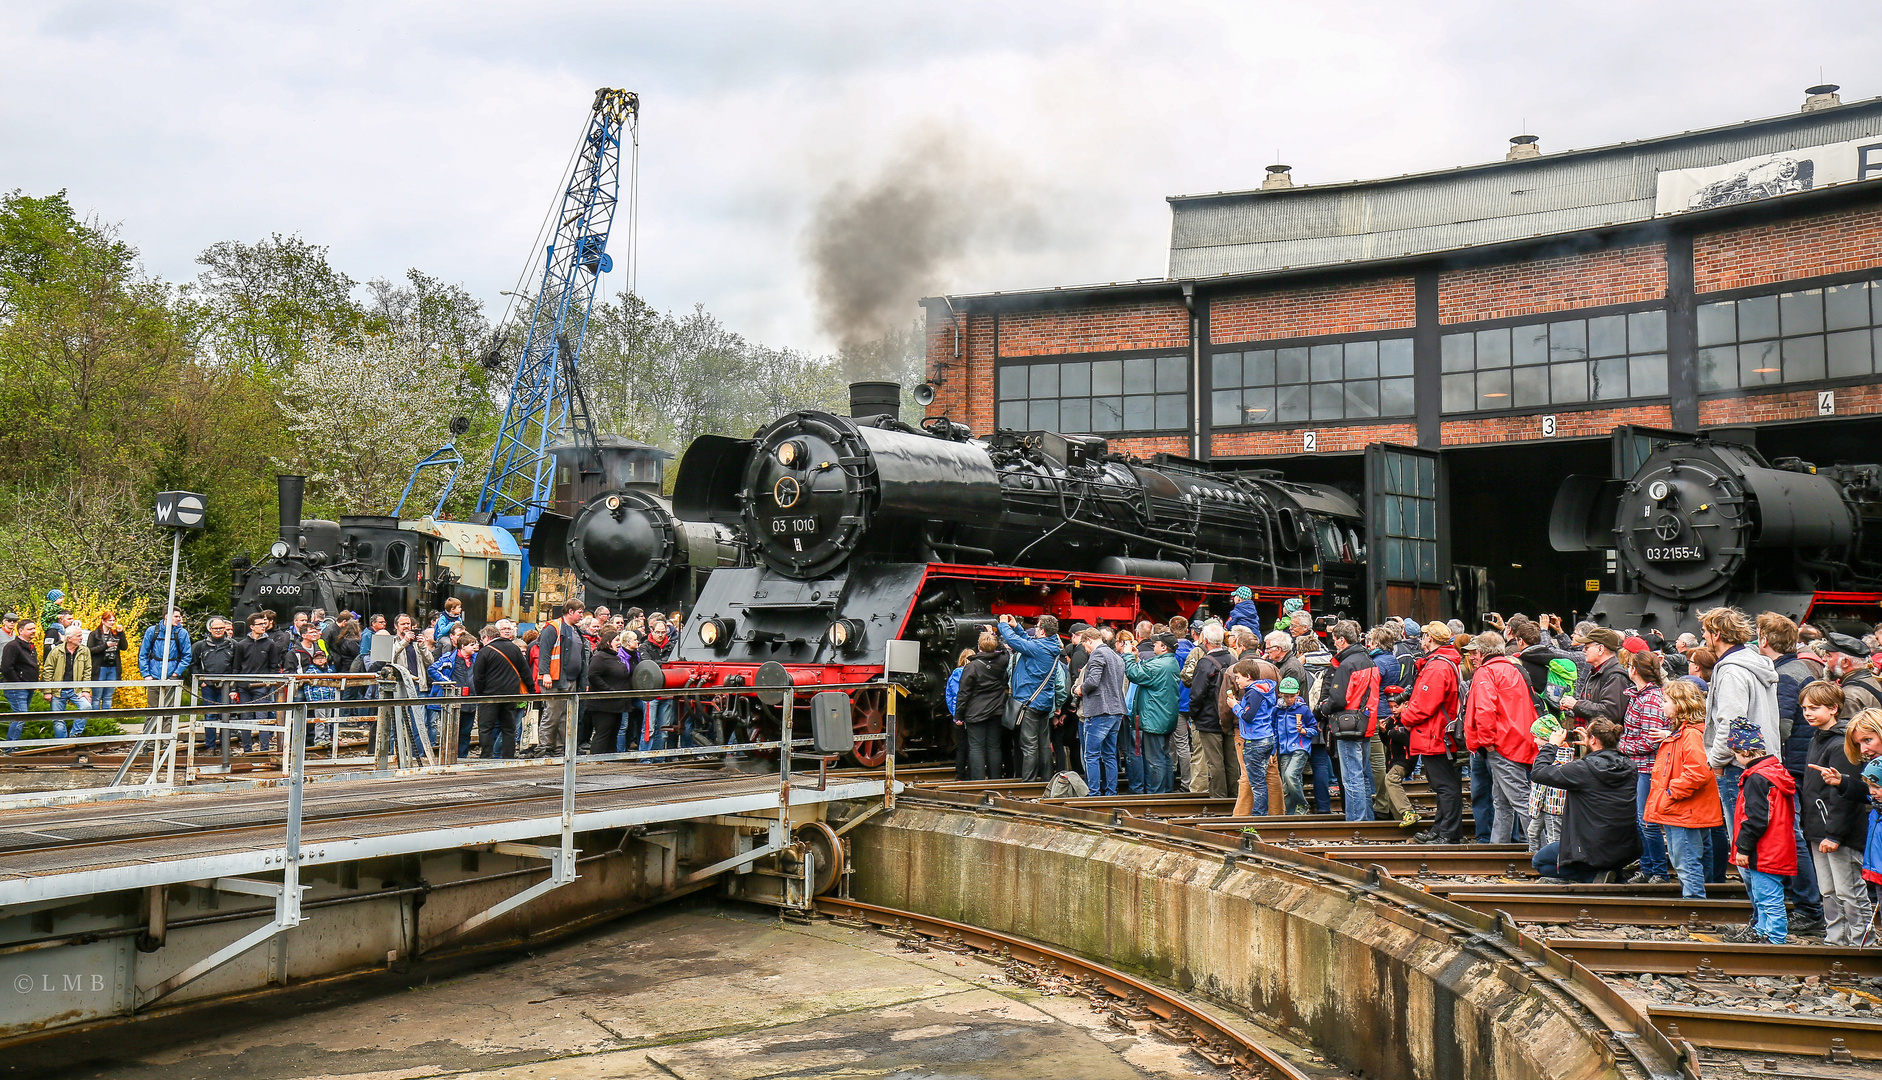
(830, 728)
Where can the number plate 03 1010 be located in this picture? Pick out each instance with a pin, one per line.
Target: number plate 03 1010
(788, 526)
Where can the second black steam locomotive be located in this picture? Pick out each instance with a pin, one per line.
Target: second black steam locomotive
(1706, 522)
(883, 548)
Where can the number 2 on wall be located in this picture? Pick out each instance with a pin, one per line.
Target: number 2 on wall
(1310, 442)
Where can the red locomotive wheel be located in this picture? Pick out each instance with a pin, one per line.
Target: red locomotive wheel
(867, 717)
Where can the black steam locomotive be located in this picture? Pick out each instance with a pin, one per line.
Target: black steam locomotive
(610, 524)
(876, 539)
(362, 563)
(1705, 522)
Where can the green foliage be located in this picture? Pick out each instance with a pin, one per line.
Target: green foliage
(259, 304)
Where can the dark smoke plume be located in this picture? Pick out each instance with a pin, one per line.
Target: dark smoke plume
(878, 247)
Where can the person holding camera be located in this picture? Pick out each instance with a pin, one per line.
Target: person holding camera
(1348, 709)
(1599, 836)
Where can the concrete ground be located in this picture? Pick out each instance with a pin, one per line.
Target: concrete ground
(701, 992)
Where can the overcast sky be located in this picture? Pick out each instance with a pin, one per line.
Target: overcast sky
(432, 134)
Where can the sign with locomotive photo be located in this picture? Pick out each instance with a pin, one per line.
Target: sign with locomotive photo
(1782, 173)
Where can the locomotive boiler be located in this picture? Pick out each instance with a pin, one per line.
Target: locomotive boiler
(1705, 522)
(868, 532)
(610, 524)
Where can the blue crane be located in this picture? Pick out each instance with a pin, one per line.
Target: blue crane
(544, 388)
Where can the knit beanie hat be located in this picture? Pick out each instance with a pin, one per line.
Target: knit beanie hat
(1872, 772)
(1243, 592)
(1292, 604)
(1746, 737)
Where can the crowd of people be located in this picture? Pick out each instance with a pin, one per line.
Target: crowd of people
(333, 659)
(1753, 746)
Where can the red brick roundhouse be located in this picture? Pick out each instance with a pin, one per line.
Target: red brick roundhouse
(1451, 344)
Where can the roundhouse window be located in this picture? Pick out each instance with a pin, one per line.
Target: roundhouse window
(1554, 362)
(1098, 394)
(1803, 335)
(1270, 383)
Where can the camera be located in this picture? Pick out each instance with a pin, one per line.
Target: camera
(1399, 697)
(1324, 623)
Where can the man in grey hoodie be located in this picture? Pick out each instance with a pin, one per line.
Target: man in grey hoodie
(1101, 708)
(1744, 685)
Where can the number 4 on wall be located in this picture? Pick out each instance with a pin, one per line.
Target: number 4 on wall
(1826, 403)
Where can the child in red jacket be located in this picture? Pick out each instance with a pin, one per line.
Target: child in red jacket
(1764, 847)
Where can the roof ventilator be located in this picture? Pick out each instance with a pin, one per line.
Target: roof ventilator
(1821, 97)
(1279, 176)
(1523, 146)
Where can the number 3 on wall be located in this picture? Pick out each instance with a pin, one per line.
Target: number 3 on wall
(1309, 442)
(1548, 427)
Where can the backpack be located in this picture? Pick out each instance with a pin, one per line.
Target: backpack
(1454, 724)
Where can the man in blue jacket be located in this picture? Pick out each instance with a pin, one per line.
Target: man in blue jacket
(1034, 655)
(150, 657)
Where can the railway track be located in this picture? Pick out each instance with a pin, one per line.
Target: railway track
(1837, 1039)
(1711, 959)
(1586, 912)
(1429, 860)
(1130, 1004)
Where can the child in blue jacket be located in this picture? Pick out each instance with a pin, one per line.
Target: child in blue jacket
(1294, 731)
(1244, 612)
(1255, 712)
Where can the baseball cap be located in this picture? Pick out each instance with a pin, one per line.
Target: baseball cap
(1166, 639)
(1467, 643)
(1289, 685)
(1635, 644)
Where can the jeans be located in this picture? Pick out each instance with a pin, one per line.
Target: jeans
(21, 702)
(1719, 854)
(1652, 840)
(105, 695)
(1801, 888)
(212, 694)
(61, 701)
(1442, 772)
(259, 694)
(1255, 755)
(1100, 753)
(1158, 767)
(1322, 765)
(1035, 741)
(1293, 793)
(1686, 849)
(1482, 796)
(1510, 781)
(1545, 863)
(1846, 910)
(1767, 904)
(1355, 778)
(983, 751)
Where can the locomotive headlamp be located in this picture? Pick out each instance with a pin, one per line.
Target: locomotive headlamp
(1657, 490)
(847, 634)
(716, 633)
(279, 550)
(791, 454)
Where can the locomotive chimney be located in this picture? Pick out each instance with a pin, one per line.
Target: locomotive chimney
(875, 399)
(290, 489)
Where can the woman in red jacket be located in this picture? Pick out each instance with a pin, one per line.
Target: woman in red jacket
(1497, 717)
(1683, 793)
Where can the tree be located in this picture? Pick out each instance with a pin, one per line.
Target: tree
(362, 413)
(433, 317)
(259, 304)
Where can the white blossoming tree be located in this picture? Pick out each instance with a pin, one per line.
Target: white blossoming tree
(363, 412)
